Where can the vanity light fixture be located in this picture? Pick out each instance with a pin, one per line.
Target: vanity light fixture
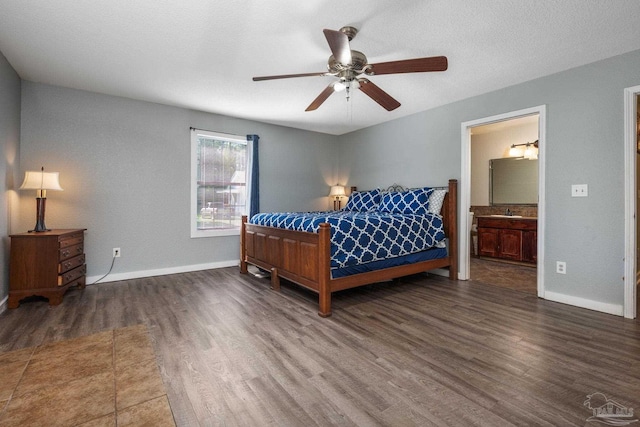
(530, 150)
(529, 153)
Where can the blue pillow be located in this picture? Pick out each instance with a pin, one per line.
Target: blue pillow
(407, 202)
(363, 201)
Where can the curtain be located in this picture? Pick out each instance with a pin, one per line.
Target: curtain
(253, 178)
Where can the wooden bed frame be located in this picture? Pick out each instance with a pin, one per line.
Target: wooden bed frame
(304, 258)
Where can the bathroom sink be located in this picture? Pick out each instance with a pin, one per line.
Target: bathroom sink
(508, 216)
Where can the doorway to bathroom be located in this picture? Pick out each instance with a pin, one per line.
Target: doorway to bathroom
(504, 203)
(502, 237)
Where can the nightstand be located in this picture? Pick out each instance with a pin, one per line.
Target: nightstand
(46, 264)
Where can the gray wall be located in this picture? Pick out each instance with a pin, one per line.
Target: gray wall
(125, 169)
(585, 143)
(9, 145)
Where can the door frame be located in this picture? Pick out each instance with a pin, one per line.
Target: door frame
(465, 187)
(630, 197)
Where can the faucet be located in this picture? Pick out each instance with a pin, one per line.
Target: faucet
(508, 212)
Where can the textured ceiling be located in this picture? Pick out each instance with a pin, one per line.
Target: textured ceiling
(202, 54)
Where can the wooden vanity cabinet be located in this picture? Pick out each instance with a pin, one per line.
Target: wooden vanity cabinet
(530, 246)
(513, 239)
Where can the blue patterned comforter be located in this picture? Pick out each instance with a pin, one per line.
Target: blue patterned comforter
(361, 237)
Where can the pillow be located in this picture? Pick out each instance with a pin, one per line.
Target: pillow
(407, 202)
(436, 200)
(363, 201)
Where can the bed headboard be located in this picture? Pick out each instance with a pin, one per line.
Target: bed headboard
(449, 214)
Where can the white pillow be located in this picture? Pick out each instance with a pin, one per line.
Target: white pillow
(436, 199)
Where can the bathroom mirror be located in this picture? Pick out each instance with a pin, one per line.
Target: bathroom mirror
(513, 181)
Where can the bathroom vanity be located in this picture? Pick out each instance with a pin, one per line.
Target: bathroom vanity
(511, 238)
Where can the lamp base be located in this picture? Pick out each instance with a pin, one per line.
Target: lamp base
(40, 205)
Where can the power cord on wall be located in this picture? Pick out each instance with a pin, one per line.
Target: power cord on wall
(110, 268)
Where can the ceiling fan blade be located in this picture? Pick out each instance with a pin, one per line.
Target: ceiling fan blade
(288, 76)
(418, 65)
(339, 44)
(381, 97)
(326, 93)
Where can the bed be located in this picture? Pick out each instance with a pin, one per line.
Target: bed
(322, 251)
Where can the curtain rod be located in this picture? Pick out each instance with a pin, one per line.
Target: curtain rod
(216, 131)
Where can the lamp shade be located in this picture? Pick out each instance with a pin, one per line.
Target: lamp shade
(337, 191)
(40, 180)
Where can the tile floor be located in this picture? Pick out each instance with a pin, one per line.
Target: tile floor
(106, 379)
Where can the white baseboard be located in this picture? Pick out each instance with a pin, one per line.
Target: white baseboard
(439, 272)
(615, 309)
(162, 271)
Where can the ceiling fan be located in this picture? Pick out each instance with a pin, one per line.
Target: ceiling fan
(352, 69)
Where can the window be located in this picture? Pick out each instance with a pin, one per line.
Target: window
(220, 183)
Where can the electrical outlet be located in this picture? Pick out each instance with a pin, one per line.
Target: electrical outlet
(579, 190)
(116, 252)
(561, 267)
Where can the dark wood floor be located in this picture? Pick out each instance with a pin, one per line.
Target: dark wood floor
(419, 351)
(505, 275)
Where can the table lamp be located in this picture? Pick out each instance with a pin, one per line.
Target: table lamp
(337, 192)
(40, 181)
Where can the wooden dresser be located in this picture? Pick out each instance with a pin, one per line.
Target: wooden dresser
(508, 238)
(46, 264)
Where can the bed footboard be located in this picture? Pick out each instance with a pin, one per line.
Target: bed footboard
(302, 257)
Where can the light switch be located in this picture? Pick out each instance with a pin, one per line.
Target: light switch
(579, 190)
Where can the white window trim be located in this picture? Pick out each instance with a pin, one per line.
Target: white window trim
(195, 233)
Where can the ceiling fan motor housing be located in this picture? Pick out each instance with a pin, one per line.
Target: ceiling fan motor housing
(358, 62)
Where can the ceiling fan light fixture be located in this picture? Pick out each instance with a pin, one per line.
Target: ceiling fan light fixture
(339, 86)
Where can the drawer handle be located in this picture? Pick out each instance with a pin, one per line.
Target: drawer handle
(67, 265)
(71, 276)
(65, 252)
